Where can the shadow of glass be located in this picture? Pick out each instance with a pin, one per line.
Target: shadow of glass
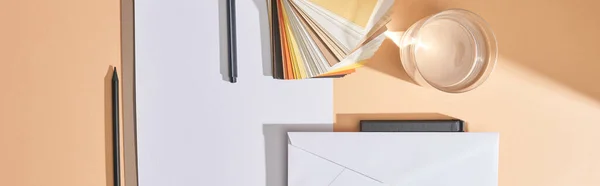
(387, 60)
(276, 141)
(351, 122)
(558, 40)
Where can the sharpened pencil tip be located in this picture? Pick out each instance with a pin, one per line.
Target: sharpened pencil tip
(115, 74)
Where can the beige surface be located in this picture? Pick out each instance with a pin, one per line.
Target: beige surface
(543, 97)
(54, 119)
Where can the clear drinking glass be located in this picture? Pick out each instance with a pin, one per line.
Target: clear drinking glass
(454, 50)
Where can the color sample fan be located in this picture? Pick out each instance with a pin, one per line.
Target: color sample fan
(325, 38)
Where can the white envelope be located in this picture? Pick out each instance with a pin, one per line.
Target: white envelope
(394, 159)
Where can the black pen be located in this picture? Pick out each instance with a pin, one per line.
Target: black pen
(115, 131)
(232, 52)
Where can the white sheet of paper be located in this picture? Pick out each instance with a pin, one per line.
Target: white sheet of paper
(400, 159)
(193, 127)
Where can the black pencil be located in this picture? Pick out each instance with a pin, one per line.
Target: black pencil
(231, 39)
(115, 131)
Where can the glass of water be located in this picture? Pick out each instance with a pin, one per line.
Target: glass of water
(454, 50)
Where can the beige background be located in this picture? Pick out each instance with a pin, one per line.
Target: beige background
(54, 125)
(543, 97)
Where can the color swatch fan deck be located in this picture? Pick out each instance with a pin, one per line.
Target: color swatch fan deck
(325, 38)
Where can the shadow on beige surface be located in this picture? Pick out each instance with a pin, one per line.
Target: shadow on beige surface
(557, 40)
(387, 61)
(350, 122)
(548, 132)
(129, 127)
(108, 125)
(542, 97)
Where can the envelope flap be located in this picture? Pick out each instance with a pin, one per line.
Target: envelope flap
(306, 169)
(394, 158)
(351, 178)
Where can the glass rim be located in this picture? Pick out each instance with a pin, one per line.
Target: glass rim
(491, 47)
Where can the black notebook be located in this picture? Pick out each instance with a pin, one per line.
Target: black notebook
(412, 126)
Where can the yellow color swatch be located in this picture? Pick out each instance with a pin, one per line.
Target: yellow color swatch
(356, 11)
